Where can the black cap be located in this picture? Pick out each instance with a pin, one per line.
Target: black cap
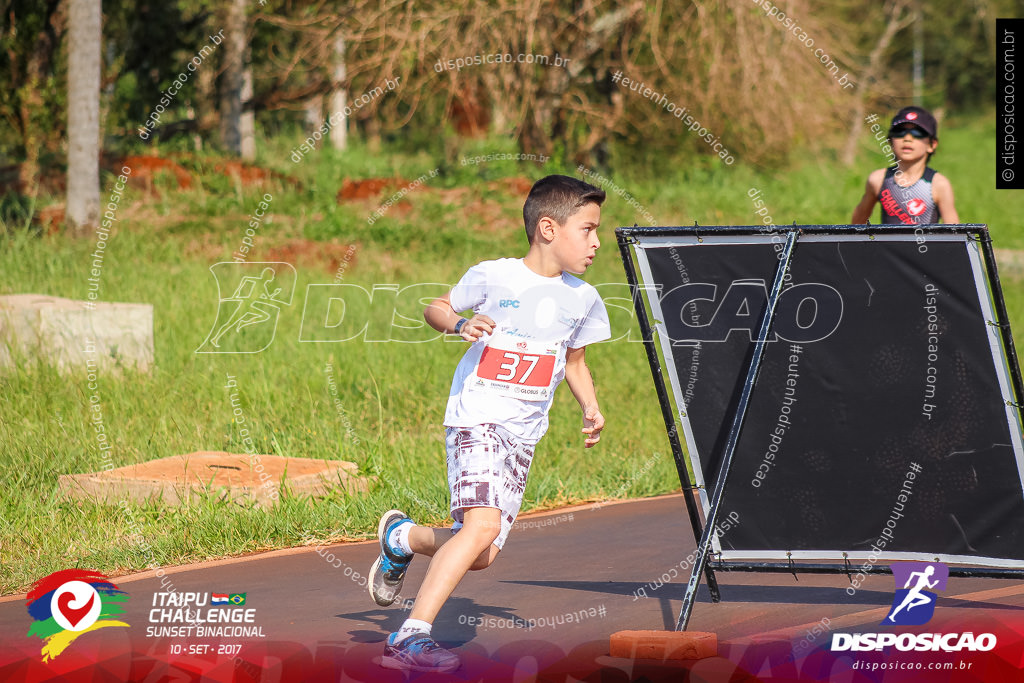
(921, 118)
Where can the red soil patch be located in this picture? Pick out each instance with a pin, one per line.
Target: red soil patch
(145, 168)
(367, 188)
(457, 196)
(206, 247)
(401, 209)
(251, 175)
(482, 205)
(50, 219)
(469, 113)
(518, 186)
(329, 255)
(485, 213)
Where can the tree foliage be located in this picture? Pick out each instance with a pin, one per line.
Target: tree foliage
(758, 88)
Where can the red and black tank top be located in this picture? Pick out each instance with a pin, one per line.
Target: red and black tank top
(913, 205)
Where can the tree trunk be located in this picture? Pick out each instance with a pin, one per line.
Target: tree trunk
(313, 114)
(918, 54)
(85, 34)
(206, 101)
(898, 20)
(247, 121)
(233, 78)
(339, 97)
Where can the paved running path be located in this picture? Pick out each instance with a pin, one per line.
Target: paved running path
(565, 581)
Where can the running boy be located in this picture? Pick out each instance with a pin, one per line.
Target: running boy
(531, 321)
(910, 192)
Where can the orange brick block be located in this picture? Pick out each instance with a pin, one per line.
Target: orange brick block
(664, 645)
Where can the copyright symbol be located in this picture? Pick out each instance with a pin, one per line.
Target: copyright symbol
(1007, 174)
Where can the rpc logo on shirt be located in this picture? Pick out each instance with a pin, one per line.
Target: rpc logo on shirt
(509, 303)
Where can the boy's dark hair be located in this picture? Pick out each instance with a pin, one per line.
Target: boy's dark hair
(557, 197)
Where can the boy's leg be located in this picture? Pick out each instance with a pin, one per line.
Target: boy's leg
(425, 540)
(487, 470)
(411, 647)
(400, 540)
(473, 543)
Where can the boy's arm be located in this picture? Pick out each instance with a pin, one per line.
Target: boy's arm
(581, 383)
(942, 191)
(442, 317)
(862, 213)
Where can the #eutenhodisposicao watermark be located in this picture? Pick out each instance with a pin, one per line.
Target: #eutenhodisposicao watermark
(681, 113)
(886, 534)
(609, 185)
(553, 622)
(890, 203)
(103, 231)
(625, 486)
(783, 421)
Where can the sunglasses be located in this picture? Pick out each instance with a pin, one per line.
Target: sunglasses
(916, 132)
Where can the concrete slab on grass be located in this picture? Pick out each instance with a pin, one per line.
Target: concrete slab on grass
(69, 334)
(235, 476)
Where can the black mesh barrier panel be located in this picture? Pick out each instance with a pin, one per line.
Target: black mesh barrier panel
(880, 365)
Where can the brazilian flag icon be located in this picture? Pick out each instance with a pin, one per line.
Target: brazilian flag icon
(237, 598)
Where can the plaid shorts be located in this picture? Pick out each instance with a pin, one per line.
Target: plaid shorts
(487, 467)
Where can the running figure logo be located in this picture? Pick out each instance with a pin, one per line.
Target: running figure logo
(258, 292)
(914, 604)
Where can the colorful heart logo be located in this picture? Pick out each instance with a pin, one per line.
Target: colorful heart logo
(70, 603)
(72, 614)
(75, 605)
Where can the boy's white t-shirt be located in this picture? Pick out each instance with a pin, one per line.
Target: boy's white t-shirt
(509, 376)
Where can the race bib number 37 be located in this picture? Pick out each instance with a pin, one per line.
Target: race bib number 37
(516, 368)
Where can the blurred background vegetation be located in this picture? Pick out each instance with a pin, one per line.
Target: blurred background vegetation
(284, 67)
(733, 63)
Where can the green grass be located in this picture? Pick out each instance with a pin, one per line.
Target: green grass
(392, 393)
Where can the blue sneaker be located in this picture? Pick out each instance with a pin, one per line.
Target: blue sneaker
(417, 652)
(388, 571)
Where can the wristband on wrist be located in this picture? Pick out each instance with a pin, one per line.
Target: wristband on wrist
(459, 325)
